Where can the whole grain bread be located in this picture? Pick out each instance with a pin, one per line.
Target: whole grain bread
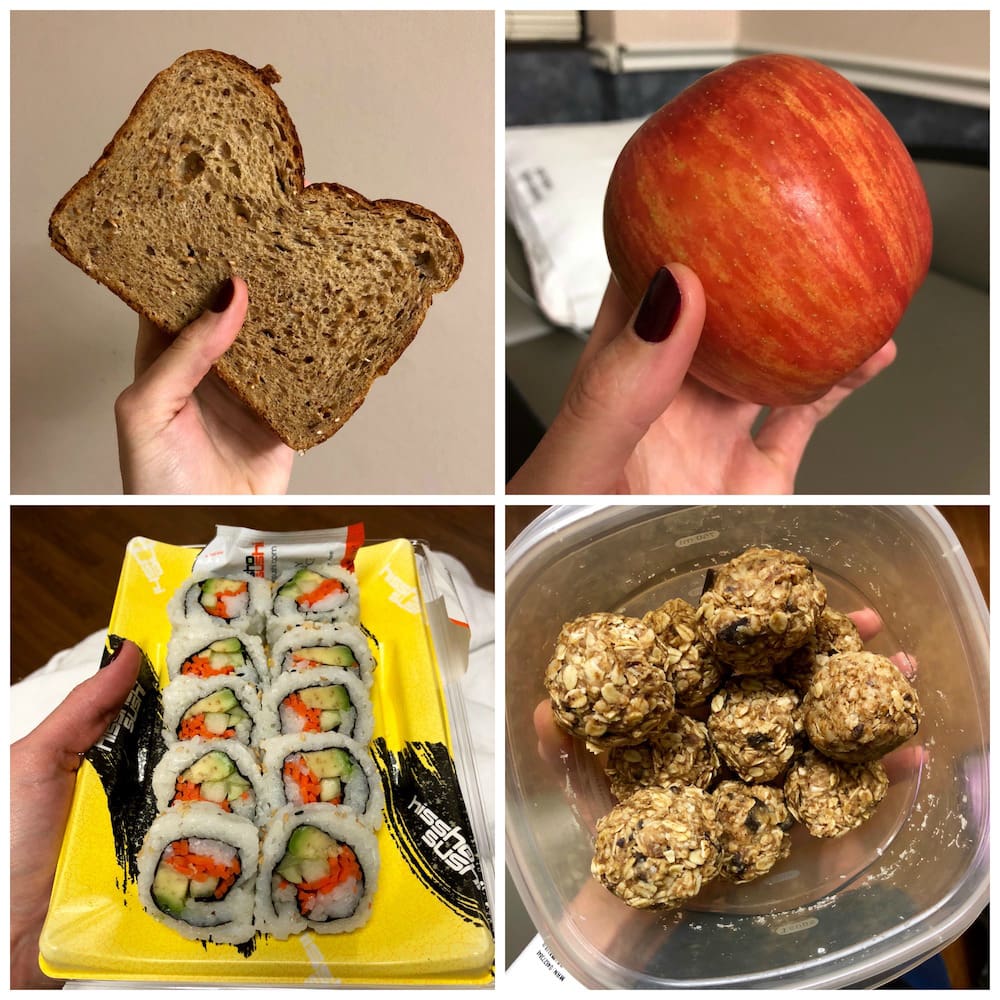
(206, 180)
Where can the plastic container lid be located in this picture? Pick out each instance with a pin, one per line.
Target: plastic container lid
(855, 911)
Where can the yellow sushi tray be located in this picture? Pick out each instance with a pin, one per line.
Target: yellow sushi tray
(431, 923)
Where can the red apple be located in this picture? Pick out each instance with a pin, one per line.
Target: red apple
(796, 203)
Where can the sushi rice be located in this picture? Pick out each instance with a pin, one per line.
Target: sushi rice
(211, 708)
(306, 647)
(324, 699)
(238, 600)
(223, 774)
(315, 592)
(209, 651)
(318, 872)
(324, 768)
(197, 873)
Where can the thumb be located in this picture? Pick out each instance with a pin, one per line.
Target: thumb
(80, 720)
(176, 373)
(623, 388)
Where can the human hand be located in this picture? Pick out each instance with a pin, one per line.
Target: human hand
(634, 421)
(43, 768)
(180, 429)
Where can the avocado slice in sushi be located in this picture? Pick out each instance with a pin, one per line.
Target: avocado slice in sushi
(308, 588)
(170, 889)
(328, 698)
(224, 656)
(195, 870)
(224, 598)
(327, 656)
(330, 763)
(217, 714)
(214, 766)
(212, 778)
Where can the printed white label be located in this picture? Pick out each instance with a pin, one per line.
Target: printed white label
(796, 926)
(703, 536)
(535, 964)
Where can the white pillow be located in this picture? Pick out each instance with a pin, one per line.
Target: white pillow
(556, 176)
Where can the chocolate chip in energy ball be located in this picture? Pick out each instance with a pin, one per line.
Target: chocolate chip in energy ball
(658, 848)
(832, 798)
(754, 824)
(760, 607)
(756, 725)
(859, 707)
(606, 681)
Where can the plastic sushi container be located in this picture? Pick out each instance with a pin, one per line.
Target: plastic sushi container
(431, 915)
(856, 911)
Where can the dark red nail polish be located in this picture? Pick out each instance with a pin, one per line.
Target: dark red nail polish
(223, 296)
(660, 307)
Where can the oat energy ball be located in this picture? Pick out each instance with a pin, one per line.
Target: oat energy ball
(756, 725)
(658, 847)
(832, 798)
(606, 681)
(859, 707)
(691, 667)
(835, 633)
(682, 754)
(759, 608)
(754, 824)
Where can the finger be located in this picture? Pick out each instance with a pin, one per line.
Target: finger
(553, 743)
(906, 664)
(786, 431)
(901, 764)
(80, 720)
(174, 375)
(612, 317)
(149, 345)
(867, 622)
(622, 389)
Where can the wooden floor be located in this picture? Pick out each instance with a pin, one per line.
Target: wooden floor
(66, 560)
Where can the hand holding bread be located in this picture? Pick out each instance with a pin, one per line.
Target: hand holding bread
(204, 181)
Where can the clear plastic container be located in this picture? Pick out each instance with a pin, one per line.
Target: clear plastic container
(855, 911)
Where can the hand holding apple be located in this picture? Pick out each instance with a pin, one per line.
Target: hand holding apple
(795, 202)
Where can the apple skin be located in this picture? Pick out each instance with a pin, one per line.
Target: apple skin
(795, 202)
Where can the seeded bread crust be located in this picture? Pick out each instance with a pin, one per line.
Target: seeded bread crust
(204, 180)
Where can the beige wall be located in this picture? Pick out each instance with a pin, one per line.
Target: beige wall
(685, 28)
(394, 105)
(951, 41)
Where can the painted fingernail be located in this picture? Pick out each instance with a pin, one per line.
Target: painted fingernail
(108, 656)
(660, 307)
(223, 296)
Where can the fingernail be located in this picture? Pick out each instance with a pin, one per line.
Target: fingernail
(223, 296)
(109, 656)
(660, 307)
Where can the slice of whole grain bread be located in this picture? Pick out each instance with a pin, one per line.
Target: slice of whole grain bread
(205, 180)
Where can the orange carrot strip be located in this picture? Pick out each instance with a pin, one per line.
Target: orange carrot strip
(219, 608)
(195, 726)
(297, 770)
(201, 666)
(324, 589)
(310, 716)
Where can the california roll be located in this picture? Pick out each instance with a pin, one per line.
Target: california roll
(323, 769)
(197, 871)
(319, 869)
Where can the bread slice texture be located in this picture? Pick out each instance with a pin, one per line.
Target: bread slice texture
(204, 180)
